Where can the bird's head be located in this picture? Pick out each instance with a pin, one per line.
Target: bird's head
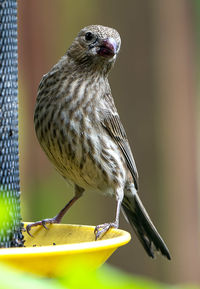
(96, 47)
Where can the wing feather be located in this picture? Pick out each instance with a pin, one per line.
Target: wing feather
(112, 123)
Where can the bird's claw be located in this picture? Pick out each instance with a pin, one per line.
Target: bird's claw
(28, 228)
(40, 223)
(100, 230)
(44, 224)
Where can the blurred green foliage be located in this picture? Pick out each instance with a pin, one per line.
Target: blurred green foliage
(104, 278)
(6, 209)
(8, 220)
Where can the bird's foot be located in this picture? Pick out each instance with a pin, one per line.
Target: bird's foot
(100, 230)
(42, 223)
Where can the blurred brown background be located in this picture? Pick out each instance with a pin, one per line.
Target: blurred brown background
(155, 86)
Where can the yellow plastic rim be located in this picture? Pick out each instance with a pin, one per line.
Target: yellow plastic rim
(48, 250)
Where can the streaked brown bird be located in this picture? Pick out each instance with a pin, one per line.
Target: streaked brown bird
(78, 127)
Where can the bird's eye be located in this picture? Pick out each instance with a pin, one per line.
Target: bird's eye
(89, 36)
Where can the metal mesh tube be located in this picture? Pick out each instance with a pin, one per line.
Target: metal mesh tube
(10, 218)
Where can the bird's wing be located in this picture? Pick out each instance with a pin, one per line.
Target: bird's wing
(112, 123)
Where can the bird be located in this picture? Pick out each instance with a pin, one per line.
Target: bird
(79, 128)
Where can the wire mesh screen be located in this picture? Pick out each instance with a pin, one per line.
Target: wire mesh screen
(10, 219)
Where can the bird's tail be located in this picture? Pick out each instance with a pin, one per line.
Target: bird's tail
(143, 226)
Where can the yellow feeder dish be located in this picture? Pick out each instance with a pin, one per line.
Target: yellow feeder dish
(63, 246)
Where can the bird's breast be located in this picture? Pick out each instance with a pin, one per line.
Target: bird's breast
(69, 131)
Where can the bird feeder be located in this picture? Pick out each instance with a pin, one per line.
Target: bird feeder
(63, 247)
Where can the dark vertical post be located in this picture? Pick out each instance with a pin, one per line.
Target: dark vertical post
(10, 219)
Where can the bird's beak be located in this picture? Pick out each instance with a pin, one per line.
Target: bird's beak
(107, 47)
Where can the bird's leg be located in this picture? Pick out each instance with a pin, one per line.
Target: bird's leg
(100, 230)
(57, 219)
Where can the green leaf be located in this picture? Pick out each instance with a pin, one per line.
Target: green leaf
(80, 277)
(10, 279)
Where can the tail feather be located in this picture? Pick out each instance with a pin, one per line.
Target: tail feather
(143, 226)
